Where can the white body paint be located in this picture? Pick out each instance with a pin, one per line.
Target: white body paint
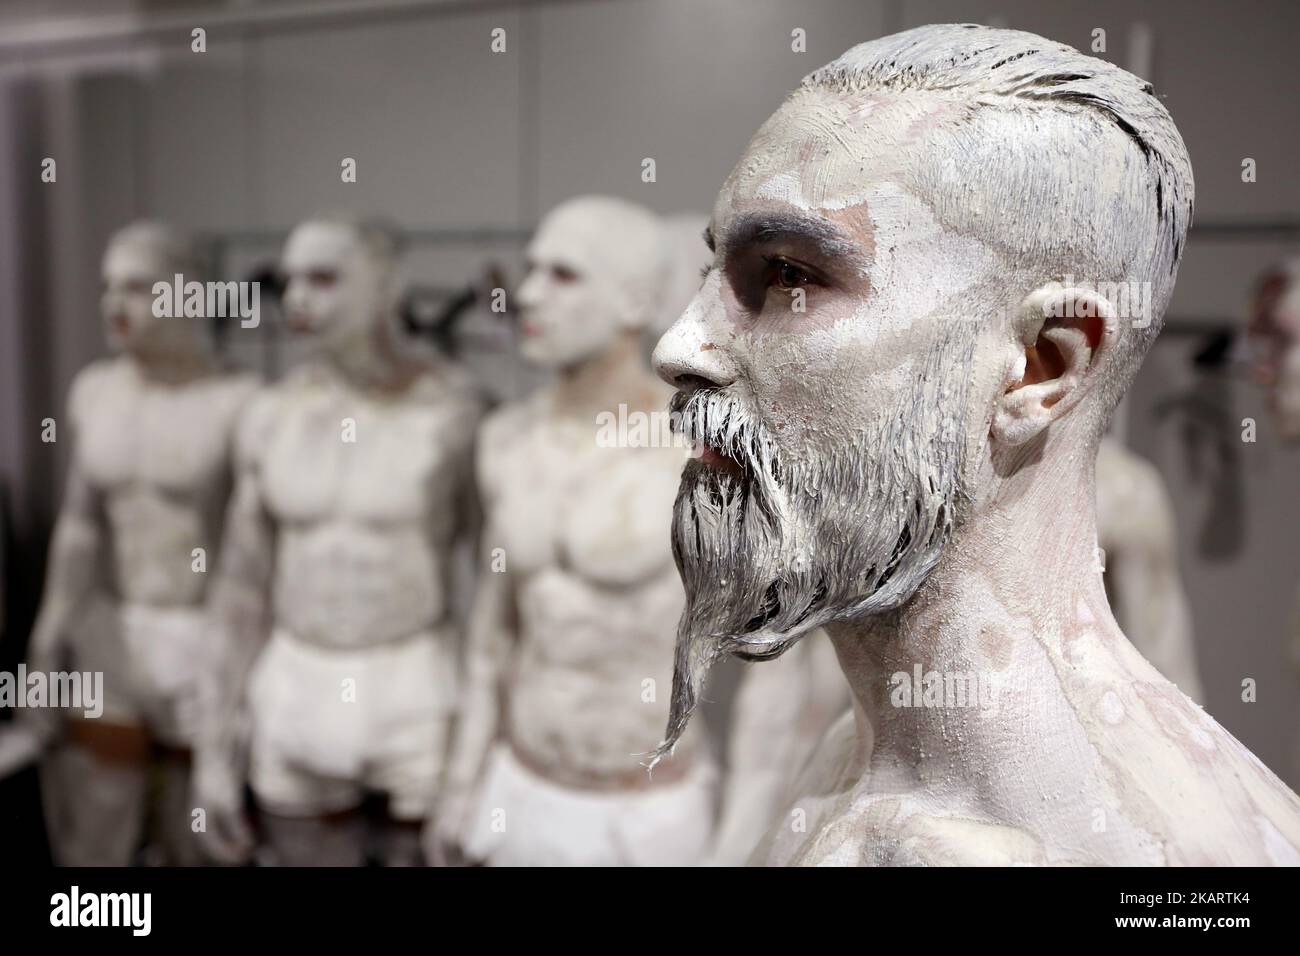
(569, 668)
(148, 481)
(1136, 531)
(908, 200)
(338, 653)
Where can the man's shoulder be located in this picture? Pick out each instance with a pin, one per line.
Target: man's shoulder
(263, 406)
(90, 383)
(507, 423)
(1177, 775)
(1259, 814)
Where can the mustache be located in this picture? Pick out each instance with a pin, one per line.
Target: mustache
(719, 419)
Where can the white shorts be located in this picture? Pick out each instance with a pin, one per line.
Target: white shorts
(330, 724)
(521, 819)
(150, 658)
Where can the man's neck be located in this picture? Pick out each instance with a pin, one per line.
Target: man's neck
(1019, 581)
(175, 367)
(369, 363)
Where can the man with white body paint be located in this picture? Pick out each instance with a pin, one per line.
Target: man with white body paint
(909, 461)
(337, 655)
(148, 480)
(570, 648)
(1137, 535)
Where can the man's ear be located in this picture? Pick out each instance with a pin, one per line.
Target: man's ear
(1062, 333)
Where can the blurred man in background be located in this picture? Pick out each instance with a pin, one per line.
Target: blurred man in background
(147, 485)
(336, 663)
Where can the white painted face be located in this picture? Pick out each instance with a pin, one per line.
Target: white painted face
(1277, 336)
(829, 225)
(334, 291)
(131, 267)
(831, 366)
(575, 300)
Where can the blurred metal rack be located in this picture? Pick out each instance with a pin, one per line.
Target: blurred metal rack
(1255, 230)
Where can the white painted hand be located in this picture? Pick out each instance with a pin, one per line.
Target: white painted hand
(444, 833)
(218, 790)
(20, 745)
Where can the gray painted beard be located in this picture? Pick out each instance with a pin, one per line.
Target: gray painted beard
(770, 554)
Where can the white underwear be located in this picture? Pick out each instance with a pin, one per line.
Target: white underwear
(150, 658)
(330, 724)
(521, 819)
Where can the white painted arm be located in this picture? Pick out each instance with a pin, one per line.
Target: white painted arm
(761, 754)
(490, 643)
(765, 750)
(74, 570)
(464, 573)
(465, 567)
(782, 710)
(239, 624)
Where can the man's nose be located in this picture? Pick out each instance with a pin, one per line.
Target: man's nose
(294, 293)
(696, 352)
(529, 292)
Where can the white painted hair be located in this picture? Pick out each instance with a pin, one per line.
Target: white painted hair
(1085, 175)
(176, 249)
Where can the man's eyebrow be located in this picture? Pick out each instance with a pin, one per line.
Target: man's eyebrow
(708, 239)
(764, 228)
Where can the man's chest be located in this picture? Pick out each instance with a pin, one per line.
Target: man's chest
(603, 513)
(329, 458)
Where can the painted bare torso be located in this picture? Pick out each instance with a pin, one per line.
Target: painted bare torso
(159, 457)
(363, 526)
(585, 535)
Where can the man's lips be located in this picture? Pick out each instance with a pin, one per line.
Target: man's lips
(716, 459)
(298, 322)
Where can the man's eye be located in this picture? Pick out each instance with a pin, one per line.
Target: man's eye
(786, 276)
(322, 278)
